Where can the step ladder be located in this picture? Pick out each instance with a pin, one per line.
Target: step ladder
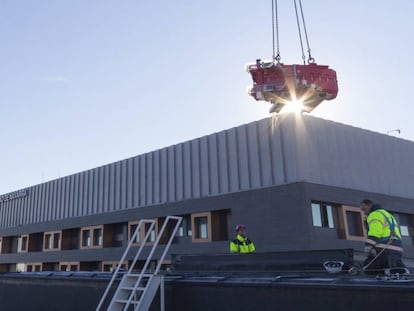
(136, 290)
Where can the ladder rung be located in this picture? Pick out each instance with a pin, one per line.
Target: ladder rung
(132, 288)
(134, 275)
(147, 275)
(124, 301)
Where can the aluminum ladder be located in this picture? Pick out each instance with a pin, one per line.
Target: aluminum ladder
(137, 290)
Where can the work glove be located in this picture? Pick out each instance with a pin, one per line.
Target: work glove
(369, 249)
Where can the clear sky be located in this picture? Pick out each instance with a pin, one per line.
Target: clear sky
(84, 83)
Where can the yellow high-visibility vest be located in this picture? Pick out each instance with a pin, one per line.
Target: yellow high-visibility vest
(242, 245)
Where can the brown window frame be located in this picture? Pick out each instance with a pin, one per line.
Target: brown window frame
(20, 248)
(113, 265)
(91, 230)
(344, 223)
(195, 237)
(33, 265)
(51, 241)
(69, 264)
(142, 231)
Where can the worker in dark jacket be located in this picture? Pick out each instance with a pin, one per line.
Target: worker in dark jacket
(383, 244)
(241, 244)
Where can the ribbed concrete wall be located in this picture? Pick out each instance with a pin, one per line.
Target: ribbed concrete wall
(268, 152)
(328, 153)
(242, 158)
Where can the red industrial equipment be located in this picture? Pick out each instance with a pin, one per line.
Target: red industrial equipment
(281, 84)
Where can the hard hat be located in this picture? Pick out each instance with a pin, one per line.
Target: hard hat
(240, 226)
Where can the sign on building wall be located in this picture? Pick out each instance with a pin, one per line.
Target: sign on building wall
(13, 196)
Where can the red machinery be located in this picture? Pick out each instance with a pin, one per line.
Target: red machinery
(281, 84)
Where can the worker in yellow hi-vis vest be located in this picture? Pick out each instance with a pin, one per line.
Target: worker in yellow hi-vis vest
(241, 244)
(383, 245)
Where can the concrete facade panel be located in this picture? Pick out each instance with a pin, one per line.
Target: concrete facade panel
(255, 170)
(223, 162)
(232, 151)
(188, 178)
(143, 180)
(179, 173)
(204, 167)
(264, 154)
(149, 179)
(214, 173)
(243, 157)
(195, 168)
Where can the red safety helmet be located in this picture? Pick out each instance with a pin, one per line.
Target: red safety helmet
(240, 226)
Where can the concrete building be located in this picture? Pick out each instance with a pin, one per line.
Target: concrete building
(295, 181)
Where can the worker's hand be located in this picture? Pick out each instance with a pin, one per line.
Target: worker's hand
(370, 250)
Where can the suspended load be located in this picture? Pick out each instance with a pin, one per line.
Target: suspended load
(306, 85)
(282, 84)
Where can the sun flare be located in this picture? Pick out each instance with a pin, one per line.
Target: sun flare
(294, 106)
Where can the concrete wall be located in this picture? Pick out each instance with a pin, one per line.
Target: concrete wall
(275, 151)
(278, 218)
(213, 293)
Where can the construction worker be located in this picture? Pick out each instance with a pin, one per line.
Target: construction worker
(241, 244)
(383, 245)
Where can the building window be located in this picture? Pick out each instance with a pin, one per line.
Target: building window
(132, 228)
(91, 237)
(97, 236)
(34, 267)
(56, 240)
(110, 266)
(86, 238)
(180, 231)
(185, 227)
(143, 230)
(210, 226)
(69, 266)
(406, 224)
(201, 224)
(51, 241)
(47, 242)
(189, 226)
(151, 237)
(23, 243)
(323, 215)
(353, 223)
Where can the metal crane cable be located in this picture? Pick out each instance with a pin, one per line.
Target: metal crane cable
(300, 34)
(275, 28)
(310, 58)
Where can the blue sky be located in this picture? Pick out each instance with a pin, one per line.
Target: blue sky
(84, 83)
